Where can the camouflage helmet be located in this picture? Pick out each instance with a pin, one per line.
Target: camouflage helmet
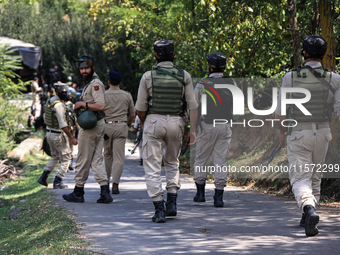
(217, 60)
(315, 46)
(84, 62)
(86, 119)
(164, 47)
(60, 87)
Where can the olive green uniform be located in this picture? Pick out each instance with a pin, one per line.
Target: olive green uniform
(58, 140)
(118, 105)
(91, 141)
(162, 131)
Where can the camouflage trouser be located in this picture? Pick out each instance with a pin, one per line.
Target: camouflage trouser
(60, 152)
(162, 139)
(90, 155)
(306, 150)
(212, 141)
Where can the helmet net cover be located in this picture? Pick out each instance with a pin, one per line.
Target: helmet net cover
(164, 47)
(60, 87)
(314, 45)
(217, 60)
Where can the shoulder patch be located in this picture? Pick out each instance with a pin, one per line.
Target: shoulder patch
(96, 88)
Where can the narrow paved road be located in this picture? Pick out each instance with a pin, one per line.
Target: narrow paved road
(248, 224)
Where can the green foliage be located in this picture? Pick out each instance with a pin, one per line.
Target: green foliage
(42, 226)
(8, 65)
(10, 117)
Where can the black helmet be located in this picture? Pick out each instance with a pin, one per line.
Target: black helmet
(84, 62)
(315, 46)
(86, 119)
(164, 47)
(60, 87)
(217, 60)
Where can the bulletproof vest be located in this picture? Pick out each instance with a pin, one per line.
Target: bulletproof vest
(317, 105)
(50, 118)
(219, 100)
(167, 91)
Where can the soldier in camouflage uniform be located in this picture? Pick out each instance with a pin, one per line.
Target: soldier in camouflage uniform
(58, 136)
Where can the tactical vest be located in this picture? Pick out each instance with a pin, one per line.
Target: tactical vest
(50, 118)
(317, 105)
(167, 91)
(219, 105)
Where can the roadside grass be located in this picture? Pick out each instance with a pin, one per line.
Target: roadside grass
(42, 226)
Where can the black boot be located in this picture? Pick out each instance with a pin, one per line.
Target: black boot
(303, 220)
(76, 196)
(58, 183)
(311, 220)
(159, 216)
(70, 167)
(218, 198)
(200, 194)
(43, 178)
(105, 196)
(171, 206)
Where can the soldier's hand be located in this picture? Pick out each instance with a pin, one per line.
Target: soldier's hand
(192, 138)
(282, 138)
(74, 141)
(79, 104)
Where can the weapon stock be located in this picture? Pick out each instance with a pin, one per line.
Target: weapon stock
(273, 152)
(137, 141)
(183, 150)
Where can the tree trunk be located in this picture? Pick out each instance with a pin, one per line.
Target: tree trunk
(325, 9)
(295, 32)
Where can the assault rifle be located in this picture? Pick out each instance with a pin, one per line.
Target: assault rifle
(137, 141)
(273, 152)
(183, 150)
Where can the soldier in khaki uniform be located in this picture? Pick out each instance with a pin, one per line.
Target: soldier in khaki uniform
(213, 140)
(58, 137)
(91, 141)
(119, 105)
(163, 95)
(307, 143)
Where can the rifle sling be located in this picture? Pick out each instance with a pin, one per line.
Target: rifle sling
(318, 76)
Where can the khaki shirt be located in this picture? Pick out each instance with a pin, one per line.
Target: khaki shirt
(145, 89)
(35, 90)
(94, 91)
(59, 112)
(118, 104)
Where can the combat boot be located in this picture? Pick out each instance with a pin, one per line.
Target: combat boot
(159, 216)
(311, 220)
(105, 196)
(218, 198)
(171, 205)
(303, 220)
(200, 194)
(58, 183)
(43, 178)
(76, 196)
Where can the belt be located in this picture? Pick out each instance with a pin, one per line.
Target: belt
(119, 121)
(310, 126)
(52, 131)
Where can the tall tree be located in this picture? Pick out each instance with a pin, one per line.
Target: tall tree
(295, 32)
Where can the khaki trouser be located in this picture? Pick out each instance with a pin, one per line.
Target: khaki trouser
(90, 155)
(305, 148)
(60, 152)
(213, 141)
(162, 132)
(114, 150)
